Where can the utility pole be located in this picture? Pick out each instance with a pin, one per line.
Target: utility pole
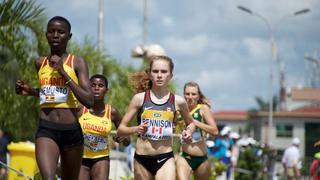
(145, 20)
(101, 25)
(100, 31)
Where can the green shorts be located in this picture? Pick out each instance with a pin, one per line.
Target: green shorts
(194, 161)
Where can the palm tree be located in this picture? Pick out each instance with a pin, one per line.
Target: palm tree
(263, 105)
(20, 21)
(116, 73)
(21, 28)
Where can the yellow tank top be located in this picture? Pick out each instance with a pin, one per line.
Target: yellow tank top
(96, 131)
(54, 93)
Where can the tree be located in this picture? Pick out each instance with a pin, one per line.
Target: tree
(120, 92)
(264, 105)
(20, 28)
(249, 164)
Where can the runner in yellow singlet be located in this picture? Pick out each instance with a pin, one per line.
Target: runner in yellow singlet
(96, 124)
(194, 156)
(64, 81)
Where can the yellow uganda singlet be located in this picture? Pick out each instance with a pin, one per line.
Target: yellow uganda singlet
(54, 93)
(96, 131)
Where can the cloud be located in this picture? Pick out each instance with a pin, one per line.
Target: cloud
(130, 29)
(226, 78)
(167, 21)
(258, 49)
(191, 45)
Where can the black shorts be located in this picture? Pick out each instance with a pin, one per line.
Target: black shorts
(153, 162)
(65, 135)
(88, 162)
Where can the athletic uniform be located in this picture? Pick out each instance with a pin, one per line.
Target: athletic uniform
(54, 93)
(159, 118)
(195, 161)
(96, 131)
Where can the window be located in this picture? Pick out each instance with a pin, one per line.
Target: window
(284, 130)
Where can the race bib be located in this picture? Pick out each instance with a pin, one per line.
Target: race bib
(158, 129)
(160, 124)
(95, 143)
(53, 94)
(196, 137)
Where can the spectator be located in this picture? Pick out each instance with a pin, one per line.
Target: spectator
(235, 150)
(291, 160)
(223, 149)
(315, 168)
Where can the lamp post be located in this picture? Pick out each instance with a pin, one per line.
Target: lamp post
(100, 26)
(315, 71)
(271, 29)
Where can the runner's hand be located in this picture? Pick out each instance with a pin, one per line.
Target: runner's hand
(142, 128)
(22, 87)
(56, 62)
(186, 136)
(124, 140)
(118, 139)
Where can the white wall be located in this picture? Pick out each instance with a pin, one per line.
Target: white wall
(298, 131)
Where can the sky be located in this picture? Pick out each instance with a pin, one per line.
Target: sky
(225, 50)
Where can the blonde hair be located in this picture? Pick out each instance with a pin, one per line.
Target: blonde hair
(140, 81)
(202, 98)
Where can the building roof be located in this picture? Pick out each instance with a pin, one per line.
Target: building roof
(293, 114)
(309, 94)
(307, 110)
(304, 112)
(231, 115)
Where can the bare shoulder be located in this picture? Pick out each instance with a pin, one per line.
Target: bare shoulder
(38, 62)
(79, 62)
(205, 107)
(78, 59)
(139, 97)
(180, 102)
(179, 99)
(114, 110)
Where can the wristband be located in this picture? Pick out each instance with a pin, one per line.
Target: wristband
(67, 82)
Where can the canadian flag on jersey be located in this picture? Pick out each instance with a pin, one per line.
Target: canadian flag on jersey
(156, 130)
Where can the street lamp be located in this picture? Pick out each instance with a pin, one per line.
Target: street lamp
(273, 58)
(100, 26)
(315, 71)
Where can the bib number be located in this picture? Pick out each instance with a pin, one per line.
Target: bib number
(53, 94)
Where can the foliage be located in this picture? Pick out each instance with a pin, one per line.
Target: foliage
(264, 105)
(120, 92)
(218, 167)
(20, 27)
(251, 162)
